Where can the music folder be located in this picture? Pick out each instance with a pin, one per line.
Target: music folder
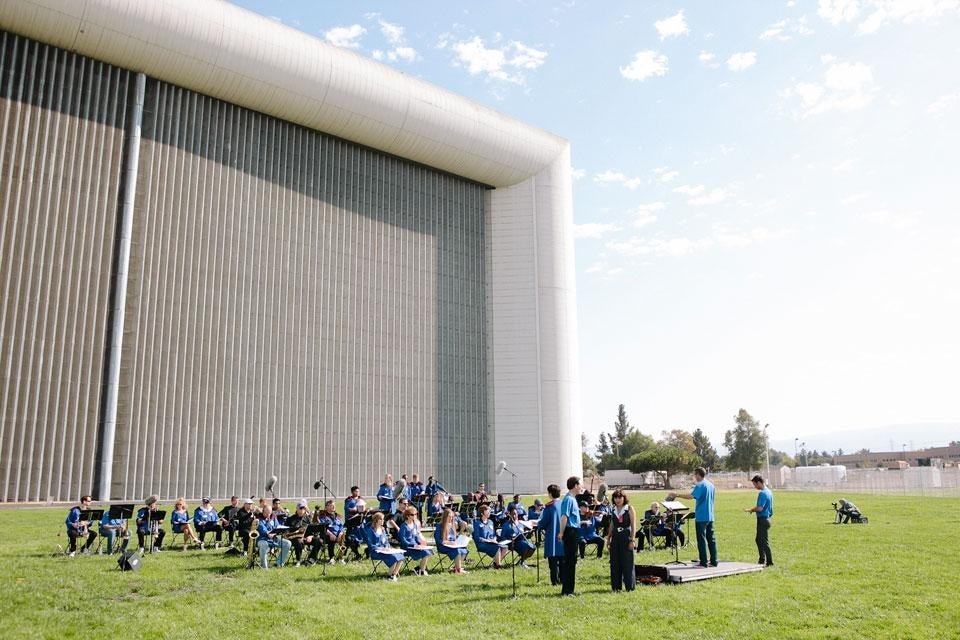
(158, 516)
(673, 505)
(91, 514)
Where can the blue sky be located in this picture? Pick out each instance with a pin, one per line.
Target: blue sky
(765, 198)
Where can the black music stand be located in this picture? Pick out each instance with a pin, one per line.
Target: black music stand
(122, 512)
(155, 516)
(646, 530)
(675, 508)
(418, 503)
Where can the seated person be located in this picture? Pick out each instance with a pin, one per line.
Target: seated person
(412, 542)
(378, 543)
(444, 535)
(655, 523)
(77, 528)
(605, 512)
(588, 532)
(533, 513)
(513, 531)
(180, 522)
(334, 532)
(437, 504)
(111, 529)
(147, 526)
(206, 519)
(480, 495)
(485, 537)
(847, 511)
(498, 511)
(393, 524)
(415, 489)
(296, 524)
(279, 512)
(244, 518)
(270, 539)
(228, 517)
(517, 504)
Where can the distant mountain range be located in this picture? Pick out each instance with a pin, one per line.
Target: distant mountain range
(896, 437)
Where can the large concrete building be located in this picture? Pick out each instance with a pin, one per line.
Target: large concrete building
(230, 250)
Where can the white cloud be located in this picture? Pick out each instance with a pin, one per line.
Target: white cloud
(845, 166)
(784, 30)
(616, 177)
(716, 196)
(346, 37)
(944, 104)
(774, 30)
(742, 60)
(392, 32)
(645, 64)
(878, 13)
(659, 246)
(672, 27)
(846, 86)
(854, 198)
(706, 59)
(669, 176)
(577, 174)
(594, 230)
(837, 11)
(739, 239)
(689, 190)
(894, 220)
(644, 214)
(504, 63)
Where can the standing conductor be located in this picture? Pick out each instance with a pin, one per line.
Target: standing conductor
(703, 492)
(764, 511)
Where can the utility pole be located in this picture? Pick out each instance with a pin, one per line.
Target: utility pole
(766, 449)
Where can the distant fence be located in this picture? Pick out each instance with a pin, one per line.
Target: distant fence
(923, 481)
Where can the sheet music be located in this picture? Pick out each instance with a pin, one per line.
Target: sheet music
(673, 505)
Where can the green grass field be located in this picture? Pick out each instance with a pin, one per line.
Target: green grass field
(891, 578)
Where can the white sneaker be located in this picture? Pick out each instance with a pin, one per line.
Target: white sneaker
(72, 554)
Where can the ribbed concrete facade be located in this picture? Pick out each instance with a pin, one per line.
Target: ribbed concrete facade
(252, 295)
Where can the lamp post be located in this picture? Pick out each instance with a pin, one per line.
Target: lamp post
(803, 450)
(796, 455)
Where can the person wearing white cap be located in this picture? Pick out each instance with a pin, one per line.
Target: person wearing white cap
(298, 521)
(245, 517)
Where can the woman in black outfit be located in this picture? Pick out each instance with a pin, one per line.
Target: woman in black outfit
(620, 542)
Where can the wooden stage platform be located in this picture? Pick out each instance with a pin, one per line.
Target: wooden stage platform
(691, 571)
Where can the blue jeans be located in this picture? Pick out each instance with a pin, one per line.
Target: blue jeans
(264, 547)
(705, 541)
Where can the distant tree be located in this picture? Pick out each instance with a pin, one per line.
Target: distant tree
(863, 452)
(781, 458)
(705, 451)
(954, 443)
(745, 443)
(678, 438)
(589, 465)
(663, 460)
(603, 446)
(616, 447)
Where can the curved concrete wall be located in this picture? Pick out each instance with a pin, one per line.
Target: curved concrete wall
(226, 52)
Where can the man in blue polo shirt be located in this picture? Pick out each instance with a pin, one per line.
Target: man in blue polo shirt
(703, 492)
(764, 511)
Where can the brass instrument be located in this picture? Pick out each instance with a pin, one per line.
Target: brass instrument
(252, 536)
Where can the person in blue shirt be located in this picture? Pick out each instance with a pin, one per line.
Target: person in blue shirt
(445, 534)
(412, 542)
(485, 537)
(206, 519)
(588, 532)
(549, 524)
(354, 507)
(703, 492)
(438, 502)
(111, 528)
(180, 523)
(147, 526)
(516, 533)
(77, 528)
(269, 539)
(335, 529)
(388, 504)
(414, 492)
(570, 535)
(433, 487)
(764, 511)
(379, 543)
(517, 504)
